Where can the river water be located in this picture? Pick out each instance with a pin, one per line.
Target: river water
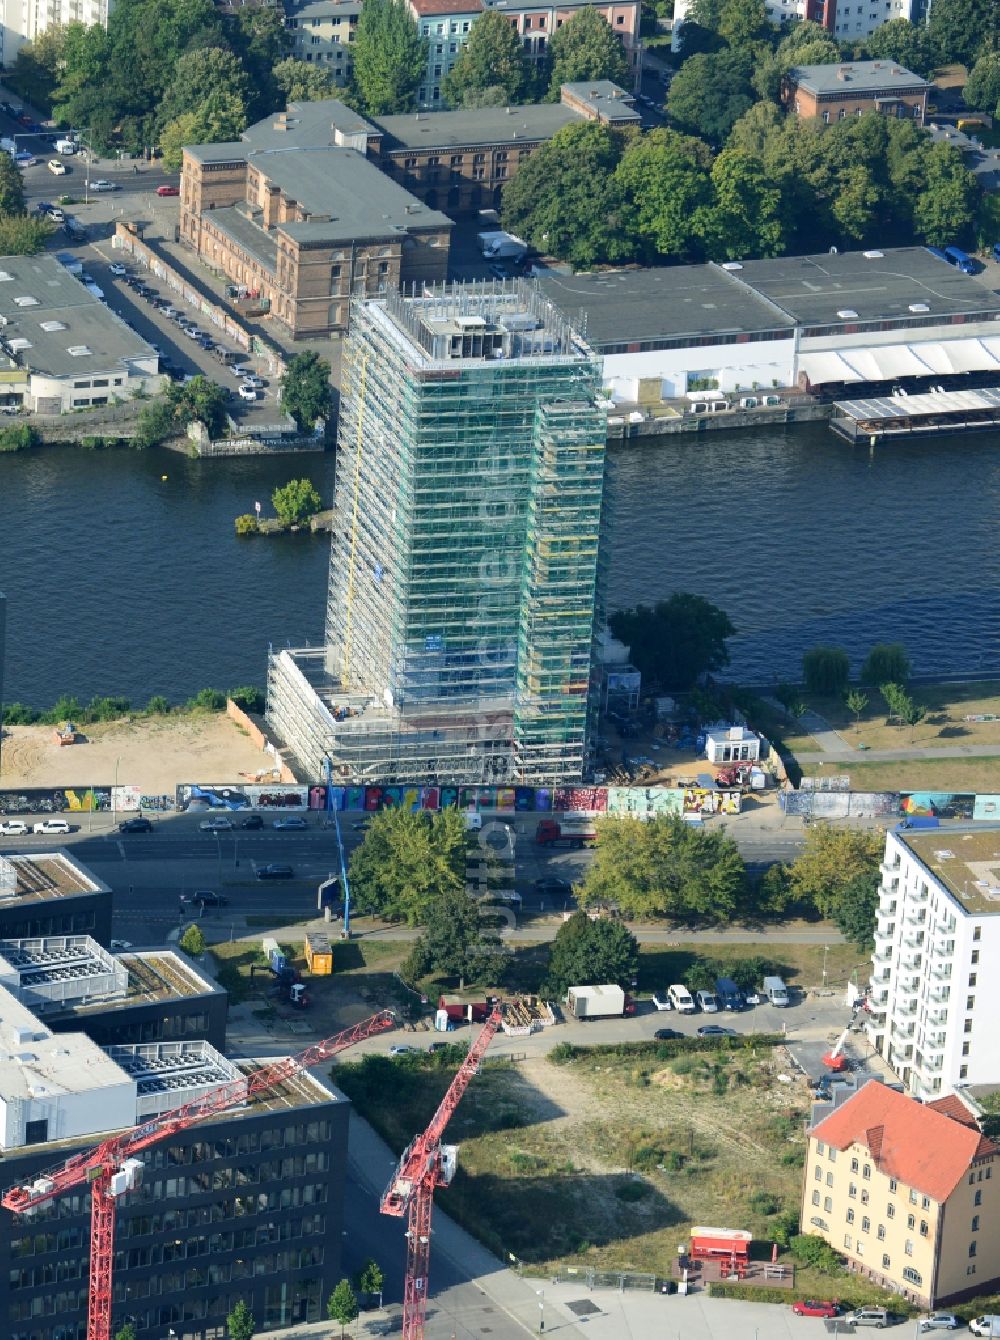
(119, 581)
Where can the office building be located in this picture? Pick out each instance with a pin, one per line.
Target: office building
(245, 1206)
(51, 893)
(465, 567)
(836, 92)
(905, 1192)
(935, 994)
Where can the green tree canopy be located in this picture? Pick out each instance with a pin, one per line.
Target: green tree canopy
(663, 180)
(201, 76)
(389, 58)
(910, 44)
(710, 92)
(261, 41)
(565, 199)
(665, 868)
(945, 209)
(299, 81)
(127, 1332)
(198, 401)
(700, 29)
(962, 29)
(591, 953)
(240, 1324)
(745, 214)
(11, 186)
(831, 860)
(886, 661)
(491, 69)
(342, 1305)
(296, 501)
(982, 88)
(825, 671)
(454, 943)
(675, 641)
(407, 861)
(586, 47)
(193, 941)
(305, 389)
(371, 1278)
(36, 67)
(744, 22)
(855, 909)
(221, 116)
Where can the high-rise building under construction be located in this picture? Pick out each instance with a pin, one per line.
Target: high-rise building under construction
(465, 570)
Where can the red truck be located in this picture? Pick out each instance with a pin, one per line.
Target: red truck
(567, 832)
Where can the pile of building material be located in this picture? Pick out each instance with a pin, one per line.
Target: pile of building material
(526, 1016)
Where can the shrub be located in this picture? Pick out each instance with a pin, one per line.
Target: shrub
(562, 1052)
(764, 1202)
(18, 437)
(825, 671)
(630, 1192)
(249, 697)
(20, 714)
(886, 662)
(158, 706)
(810, 1250)
(192, 941)
(64, 709)
(247, 524)
(107, 709)
(207, 700)
(751, 1293)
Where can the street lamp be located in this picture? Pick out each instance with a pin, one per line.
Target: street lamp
(826, 950)
(541, 1310)
(114, 793)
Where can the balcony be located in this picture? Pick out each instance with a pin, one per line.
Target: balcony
(940, 972)
(882, 957)
(905, 1012)
(937, 1016)
(914, 918)
(889, 868)
(939, 995)
(903, 1034)
(911, 959)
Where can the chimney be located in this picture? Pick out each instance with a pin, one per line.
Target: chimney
(843, 74)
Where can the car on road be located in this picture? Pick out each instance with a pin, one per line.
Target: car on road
(101, 184)
(716, 1031)
(247, 393)
(135, 826)
(205, 898)
(25, 159)
(57, 167)
(274, 871)
(119, 945)
(293, 822)
(667, 1034)
(938, 1321)
(168, 190)
(557, 888)
(216, 825)
(51, 826)
(251, 379)
(401, 1049)
(118, 269)
(661, 1001)
(814, 1307)
(252, 821)
(13, 828)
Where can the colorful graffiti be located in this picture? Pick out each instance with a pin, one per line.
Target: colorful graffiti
(941, 804)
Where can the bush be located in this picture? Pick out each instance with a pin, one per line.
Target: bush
(192, 941)
(247, 524)
(630, 1192)
(107, 709)
(157, 706)
(811, 1250)
(207, 700)
(764, 1202)
(563, 1052)
(886, 662)
(249, 697)
(18, 437)
(825, 671)
(750, 1293)
(64, 709)
(20, 714)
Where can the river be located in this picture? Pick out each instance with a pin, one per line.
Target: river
(121, 582)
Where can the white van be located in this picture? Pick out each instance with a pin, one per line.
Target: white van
(776, 991)
(681, 999)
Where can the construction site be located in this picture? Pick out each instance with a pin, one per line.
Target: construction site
(466, 568)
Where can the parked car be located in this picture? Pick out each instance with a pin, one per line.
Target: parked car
(813, 1307)
(119, 945)
(135, 826)
(274, 871)
(117, 269)
(938, 1321)
(401, 1049)
(716, 1031)
(57, 167)
(251, 379)
(707, 1001)
(661, 1001)
(51, 826)
(13, 828)
(293, 821)
(168, 190)
(25, 159)
(558, 888)
(252, 821)
(868, 1316)
(667, 1034)
(217, 825)
(248, 394)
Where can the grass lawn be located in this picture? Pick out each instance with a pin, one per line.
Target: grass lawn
(917, 774)
(802, 965)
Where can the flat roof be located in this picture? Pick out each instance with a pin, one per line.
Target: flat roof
(426, 9)
(476, 125)
(46, 875)
(605, 98)
(887, 408)
(307, 125)
(860, 76)
(669, 302)
(967, 864)
(154, 975)
(65, 329)
(874, 286)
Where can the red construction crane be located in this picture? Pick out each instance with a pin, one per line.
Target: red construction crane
(110, 1168)
(427, 1164)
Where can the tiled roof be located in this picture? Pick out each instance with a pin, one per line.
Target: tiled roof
(921, 1145)
(425, 8)
(952, 1106)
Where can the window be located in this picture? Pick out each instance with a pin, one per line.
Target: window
(855, 1165)
(831, 1154)
(864, 1197)
(913, 1196)
(978, 1199)
(815, 1197)
(977, 932)
(866, 1224)
(912, 1276)
(850, 1216)
(890, 1211)
(881, 1232)
(892, 1184)
(968, 1026)
(925, 1202)
(866, 1171)
(970, 1002)
(828, 1205)
(886, 1263)
(975, 1223)
(829, 1179)
(972, 979)
(847, 1241)
(974, 957)
(965, 1048)
(852, 1191)
(972, 1249)
(910, 1221)
(908, 1249)
(859, 1247)
(923, 1228)
(963, 1072)
(970, 1270)
(334, 271)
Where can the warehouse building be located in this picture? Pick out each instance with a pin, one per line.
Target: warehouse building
(51, 893)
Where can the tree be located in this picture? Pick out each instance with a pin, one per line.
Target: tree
(201, 76)
(665, 868)
(342, 1305)
(906, 43)
(831, 860)
(199, 401)
(742, 23)
(371, 1279)
(193, 941)
(886, 661)
(305, 390)
(453, 943)
(591, 953)
(127, 1332)
(855, 910)
(825, 671)
(261, 42)
(962, 29)
(586, 47)
(663, 179)
(23, 236)
(676, 641)
(744, 217)
(491, 69)
(11, 186)
(700, 29)
(856, 702)
(565, 199)
(709, 94)
(299, 81)
(390, 57)
(407, 861)
(982, 88)
(221, 116)
(240, 1323)
(946, 207)
(296, 501)
(36, 67)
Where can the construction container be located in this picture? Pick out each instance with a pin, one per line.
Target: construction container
(319, 954)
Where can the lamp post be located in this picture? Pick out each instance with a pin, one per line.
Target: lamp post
(541, 1310)
(114, 793)
(826, 950)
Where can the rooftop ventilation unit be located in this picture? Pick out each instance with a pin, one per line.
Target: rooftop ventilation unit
(873, 255)
(52, 326)
(847, 314)
(919, 307)
(470, 322)
(732, 265)
(5, 277)
(26, 301)
(78, 350)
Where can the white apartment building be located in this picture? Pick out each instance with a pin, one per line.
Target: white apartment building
(842, 20)
(22, 20)
(935, 991)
